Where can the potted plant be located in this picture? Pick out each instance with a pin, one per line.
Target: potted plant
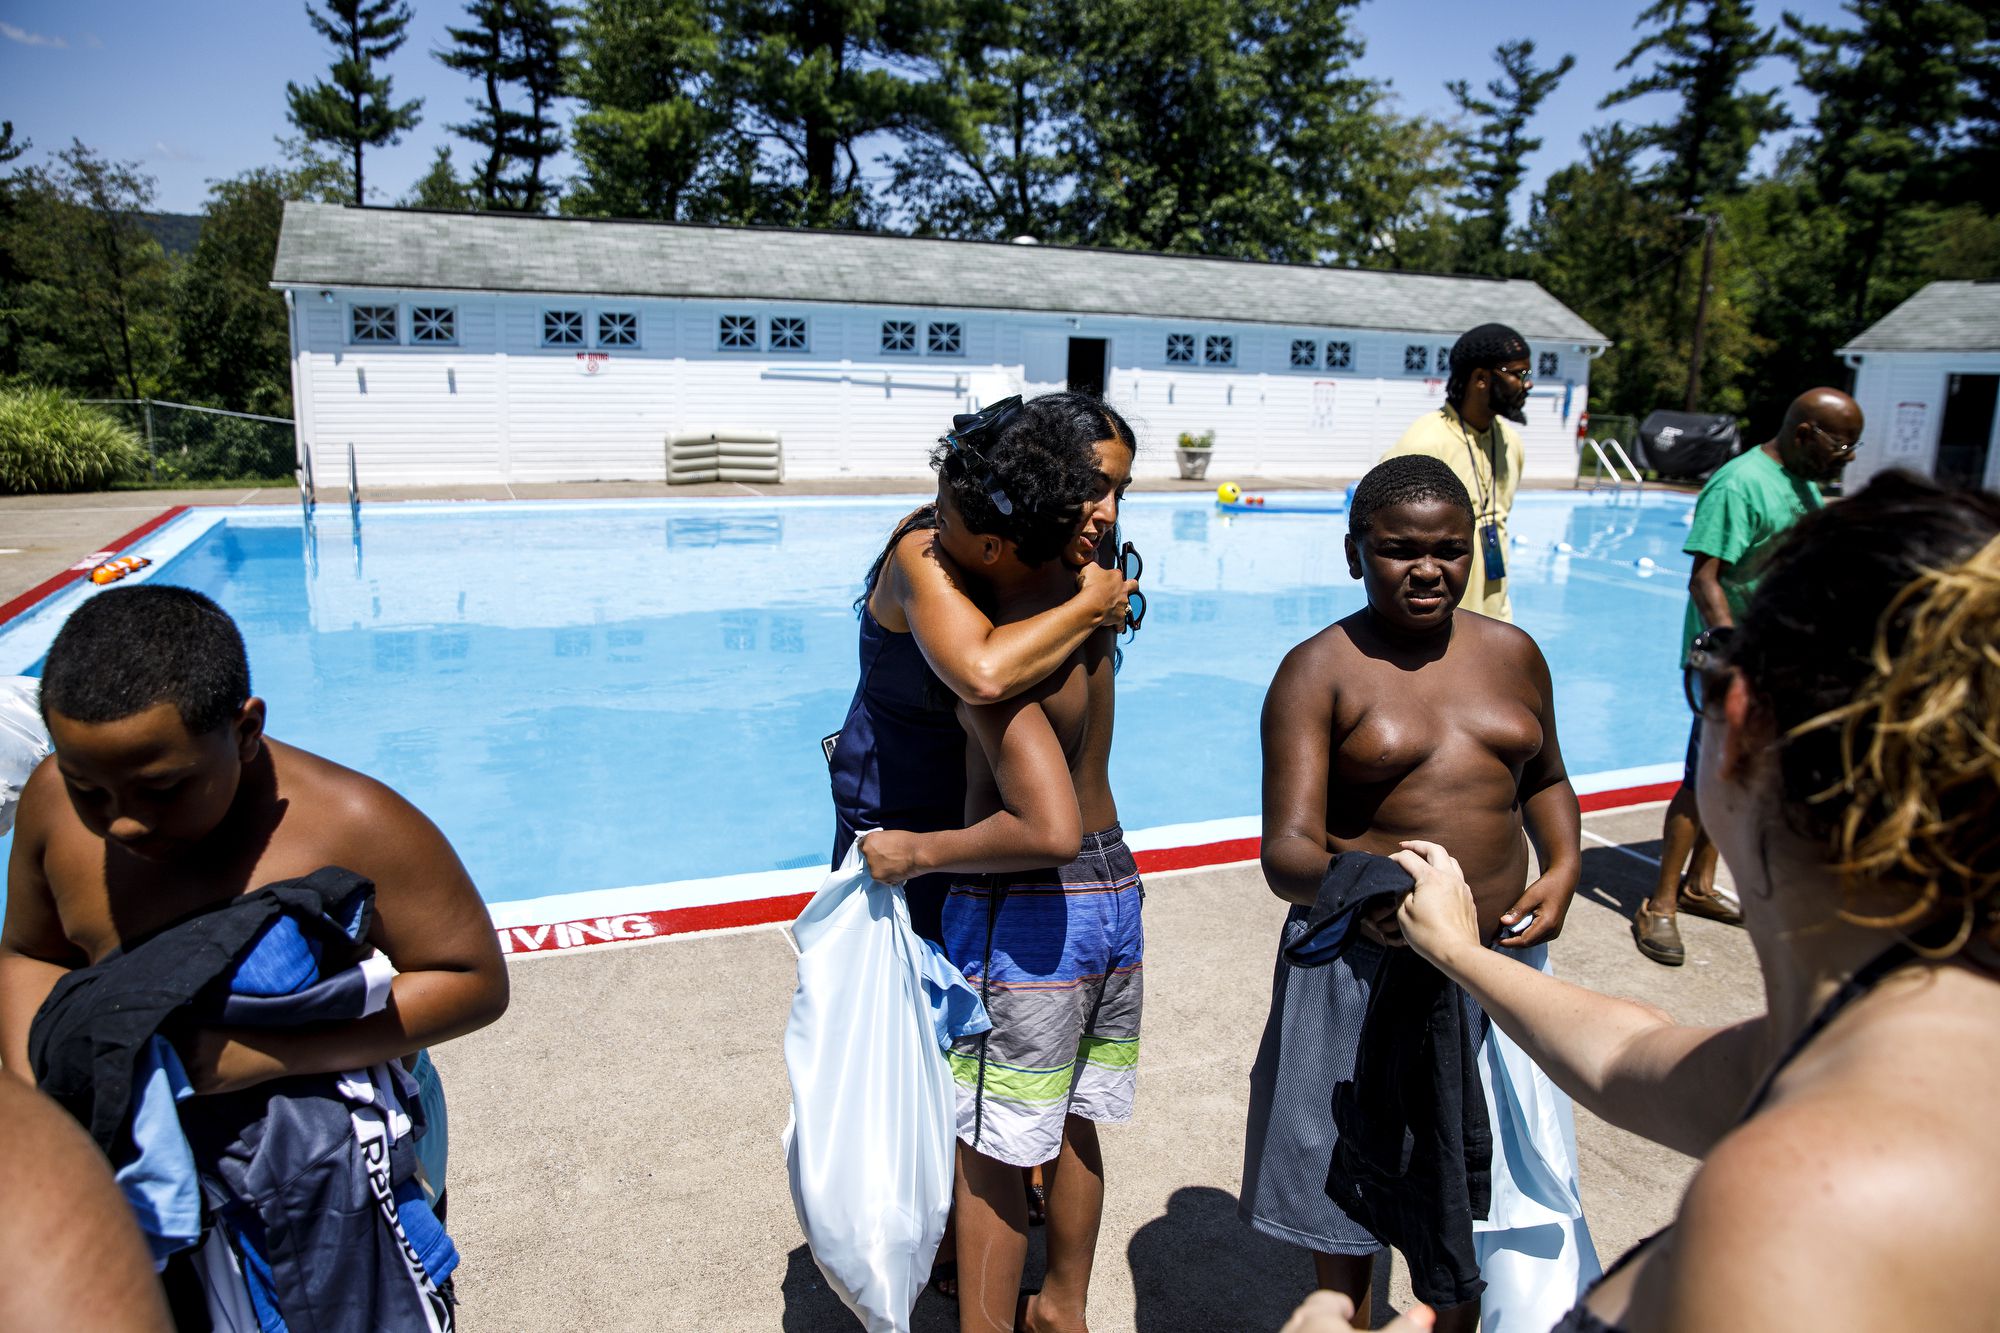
(1192, 451)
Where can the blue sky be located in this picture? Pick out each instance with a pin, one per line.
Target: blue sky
(194, 90)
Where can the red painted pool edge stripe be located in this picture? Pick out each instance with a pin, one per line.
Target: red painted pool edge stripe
(630, 927)
(10, 609)
(1624, 796)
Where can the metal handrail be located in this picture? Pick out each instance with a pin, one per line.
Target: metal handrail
(304, 472)
(1607, 468)
(1604, 468)
(353, 487)
(1618, 452)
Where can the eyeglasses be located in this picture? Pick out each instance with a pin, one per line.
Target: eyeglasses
(1707, 663)
(1521, 376)
(1847, 450)
(1131, 566)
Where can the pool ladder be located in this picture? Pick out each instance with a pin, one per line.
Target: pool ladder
(354, 487)
(1606, 467)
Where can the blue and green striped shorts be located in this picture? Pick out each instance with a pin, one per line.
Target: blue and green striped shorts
(1058, 956)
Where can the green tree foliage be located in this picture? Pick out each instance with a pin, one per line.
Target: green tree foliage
(441, 188)
(1705, 49)
(94, 298)
(512, 44)
(1215, 126)
(988, 164)
(1496, 147)
(1891, 91)
(353, 107)
(230, 343)
(655, 136)
(12, 275)
(810, 79)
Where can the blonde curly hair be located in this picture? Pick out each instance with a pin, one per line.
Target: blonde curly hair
(1920, 754)
(1901, 776)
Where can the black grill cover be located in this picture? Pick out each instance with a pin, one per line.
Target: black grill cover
(1687, 445)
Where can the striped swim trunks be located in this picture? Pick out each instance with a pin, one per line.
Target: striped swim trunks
(1058, 956)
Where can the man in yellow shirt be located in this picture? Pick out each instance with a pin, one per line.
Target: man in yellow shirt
(1489, 381)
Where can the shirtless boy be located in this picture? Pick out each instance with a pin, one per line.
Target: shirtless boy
(1407, 719)
(165, 797)
(1043, 915)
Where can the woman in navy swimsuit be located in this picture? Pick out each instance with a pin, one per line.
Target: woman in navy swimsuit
(1850, 1137)
(898, 760)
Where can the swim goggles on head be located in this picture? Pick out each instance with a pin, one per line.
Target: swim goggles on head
(973, 432)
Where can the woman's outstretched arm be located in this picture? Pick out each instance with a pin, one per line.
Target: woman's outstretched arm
(1627, 1062)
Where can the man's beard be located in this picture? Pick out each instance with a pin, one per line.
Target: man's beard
(1514, 409)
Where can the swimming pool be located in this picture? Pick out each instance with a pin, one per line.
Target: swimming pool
(595, 695)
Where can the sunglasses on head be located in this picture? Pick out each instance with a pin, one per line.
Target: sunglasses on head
(1705, 674)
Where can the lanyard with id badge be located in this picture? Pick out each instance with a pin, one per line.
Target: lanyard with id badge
(1491, 548)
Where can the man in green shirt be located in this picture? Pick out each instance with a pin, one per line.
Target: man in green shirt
(1744, 510)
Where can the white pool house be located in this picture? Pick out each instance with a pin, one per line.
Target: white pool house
(480, 348)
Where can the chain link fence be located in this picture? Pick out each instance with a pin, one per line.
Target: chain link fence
(189, 443)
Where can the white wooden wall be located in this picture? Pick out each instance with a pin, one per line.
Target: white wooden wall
(500, 406)
(1902, 397)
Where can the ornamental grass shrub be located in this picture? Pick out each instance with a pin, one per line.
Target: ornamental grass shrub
(52, 443)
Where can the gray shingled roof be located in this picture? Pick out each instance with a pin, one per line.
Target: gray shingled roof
(330, 245)
(1943, 317)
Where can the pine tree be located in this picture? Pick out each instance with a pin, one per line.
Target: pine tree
(441, 188)
(512, 43)
(656, 120)
(540, 67)
(1891, 92)
(1495, 150)
(988, 165)
(354, 109)
(481, 51)
(1703, 58)
(1214, 126)
(811, 80)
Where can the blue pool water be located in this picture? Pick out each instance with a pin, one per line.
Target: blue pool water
(590, 696)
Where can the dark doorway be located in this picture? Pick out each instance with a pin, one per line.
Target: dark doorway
(1965, 433)
(1086, 366)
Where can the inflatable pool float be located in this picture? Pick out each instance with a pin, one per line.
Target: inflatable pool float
(1230, 498)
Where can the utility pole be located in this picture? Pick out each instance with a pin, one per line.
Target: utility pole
(1708, 224)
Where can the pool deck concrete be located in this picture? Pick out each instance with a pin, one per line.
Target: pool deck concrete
(615, 1137)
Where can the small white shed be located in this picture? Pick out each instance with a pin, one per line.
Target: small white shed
(468, 347)
(1927, 375)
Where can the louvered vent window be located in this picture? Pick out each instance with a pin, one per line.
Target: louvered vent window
(617, 328)
(372, 324)
(788, 333)
(562, 328)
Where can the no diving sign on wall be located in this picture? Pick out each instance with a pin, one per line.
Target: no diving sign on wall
(592, 363)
